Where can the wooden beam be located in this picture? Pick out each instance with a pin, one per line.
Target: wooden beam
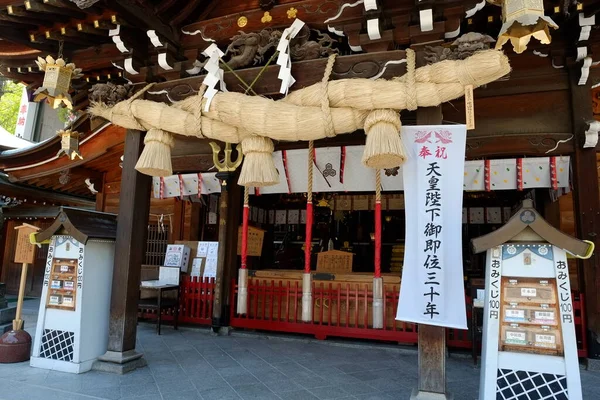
(33, 193)
(130, 247)
(38, 6)
(46, 19)
(31, 212)
(93, 10)
(586, 204)
(139, 17)
(306, 73)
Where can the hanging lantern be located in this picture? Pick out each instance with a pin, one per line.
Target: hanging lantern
(69, 144)
(57, 80)
(522, 20)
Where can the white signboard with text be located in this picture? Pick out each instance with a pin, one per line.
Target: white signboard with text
(432, 290)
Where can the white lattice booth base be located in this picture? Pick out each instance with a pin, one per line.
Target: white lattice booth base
(73, 320)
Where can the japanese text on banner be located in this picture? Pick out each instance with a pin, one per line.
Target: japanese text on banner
(432, 284)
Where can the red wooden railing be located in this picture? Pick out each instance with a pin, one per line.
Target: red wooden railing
(345, 311)
(340, 310)
(196, 297)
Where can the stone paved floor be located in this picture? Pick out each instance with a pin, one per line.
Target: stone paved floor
(192, 364)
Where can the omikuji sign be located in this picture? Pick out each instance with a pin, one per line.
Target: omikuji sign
(432, 280)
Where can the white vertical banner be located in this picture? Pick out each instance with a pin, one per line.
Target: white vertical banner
(431, 291)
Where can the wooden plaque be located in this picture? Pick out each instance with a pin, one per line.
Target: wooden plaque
(25, 251)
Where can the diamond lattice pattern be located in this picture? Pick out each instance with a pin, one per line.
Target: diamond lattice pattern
(527, 385)
(57, 345)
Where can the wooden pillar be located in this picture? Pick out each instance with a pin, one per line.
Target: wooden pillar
(586, 203)
(432, 339)
(130, 247)
(228, 223)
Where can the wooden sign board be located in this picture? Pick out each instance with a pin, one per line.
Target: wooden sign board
(25, 251)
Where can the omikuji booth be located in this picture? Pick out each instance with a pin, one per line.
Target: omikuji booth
(73, 320)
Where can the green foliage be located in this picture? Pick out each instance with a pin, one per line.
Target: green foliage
(9, 105)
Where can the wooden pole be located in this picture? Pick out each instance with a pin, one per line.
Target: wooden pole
(377, 279)
(18, 321)
(130, 250)
(243, 272)
(432, 339)
(219, 300)
(307, 304)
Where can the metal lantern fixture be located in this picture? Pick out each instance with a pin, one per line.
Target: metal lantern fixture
(69, 144)
(57, 80)
(522, 20)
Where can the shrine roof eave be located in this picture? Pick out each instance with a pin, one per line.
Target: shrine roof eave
(21, 191)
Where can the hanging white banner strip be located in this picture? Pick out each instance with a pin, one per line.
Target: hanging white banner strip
(432, 279)
(358, 178)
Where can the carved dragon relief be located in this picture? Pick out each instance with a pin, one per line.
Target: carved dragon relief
(250, 48)
(462, 48)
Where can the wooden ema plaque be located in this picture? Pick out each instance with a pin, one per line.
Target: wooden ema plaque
(62, 290)
(25, 251)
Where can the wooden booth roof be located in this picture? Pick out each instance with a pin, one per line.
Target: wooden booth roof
(82, 225)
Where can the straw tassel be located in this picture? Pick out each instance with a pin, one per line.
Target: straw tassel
(258, 169)
(383, 148)
(155, 160)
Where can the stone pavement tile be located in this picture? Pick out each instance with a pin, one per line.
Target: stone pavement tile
(223, 361)
(222, 393)
(138, 377)
(139, 390)
(255, 392)
(110, 393)
(384, 384)
(312, 382)
(329, 392)
(205, 383)
(340, 378)
(299, 395)
(381, 396)
(167, 387)
(359, 388)
(241, 379)
(268, 374)
(187, 395)
(150, 397)
(159, 370)
(94, 379)
(282, 386)
(354, 367)
(231, 371)
(366, 376)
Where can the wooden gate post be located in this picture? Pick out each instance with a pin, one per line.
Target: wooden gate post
(432, 339)
(130, 248)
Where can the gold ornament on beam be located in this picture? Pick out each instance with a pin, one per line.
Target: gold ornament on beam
(57, 80)
(69, 144)
(522, 20)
